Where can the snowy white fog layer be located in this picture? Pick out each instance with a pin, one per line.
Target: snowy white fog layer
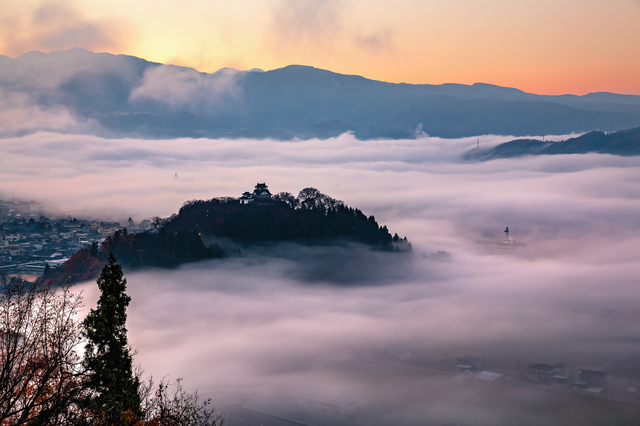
(258, 322)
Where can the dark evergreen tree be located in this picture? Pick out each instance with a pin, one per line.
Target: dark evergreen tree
(113, 389)
(47, 271)
(93, 251)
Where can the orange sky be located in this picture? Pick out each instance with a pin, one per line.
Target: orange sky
(540, 46)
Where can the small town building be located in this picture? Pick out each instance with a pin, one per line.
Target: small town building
(467, 369)
(590, 380)
(490, 379)
(545, 373)
(466, 373)
(471, 360)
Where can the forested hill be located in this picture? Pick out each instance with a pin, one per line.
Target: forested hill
(311, 217)
(258, 217)
(624, 142)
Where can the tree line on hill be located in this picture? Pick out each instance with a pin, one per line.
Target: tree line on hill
(311, 217)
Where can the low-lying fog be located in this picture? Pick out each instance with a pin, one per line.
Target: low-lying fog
(274, 320)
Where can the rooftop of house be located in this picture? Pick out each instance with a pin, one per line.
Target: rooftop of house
(488, 376)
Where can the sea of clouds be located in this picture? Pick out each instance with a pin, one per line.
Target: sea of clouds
(291, 315)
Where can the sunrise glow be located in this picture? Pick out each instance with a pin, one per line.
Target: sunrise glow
(540, 46)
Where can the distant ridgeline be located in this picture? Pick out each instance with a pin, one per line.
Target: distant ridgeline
(624, 142)
(257, 217)
(121, 95)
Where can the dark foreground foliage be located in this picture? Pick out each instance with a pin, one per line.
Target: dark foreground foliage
(44, 380)
(41, 374)
(114, 389)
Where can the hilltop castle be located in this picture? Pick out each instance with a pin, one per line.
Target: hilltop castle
(260, 195)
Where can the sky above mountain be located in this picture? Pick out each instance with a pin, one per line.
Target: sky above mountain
(540, 46)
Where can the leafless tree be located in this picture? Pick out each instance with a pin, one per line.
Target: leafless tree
(42, 381)
(168, 404)
(40, 371)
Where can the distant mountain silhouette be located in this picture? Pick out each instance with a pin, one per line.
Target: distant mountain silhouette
(624, 142)
(118, 95)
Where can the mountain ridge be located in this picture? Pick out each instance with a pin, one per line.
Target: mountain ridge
(126, 96)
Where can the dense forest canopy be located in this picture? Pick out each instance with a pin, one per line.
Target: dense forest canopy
(311, 217)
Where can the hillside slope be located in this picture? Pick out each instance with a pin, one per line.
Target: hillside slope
(624, 142)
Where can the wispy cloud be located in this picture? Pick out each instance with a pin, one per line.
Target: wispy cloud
(306, 23)
(376, 43)
(22, 114)
(188, 89)
(55, 25)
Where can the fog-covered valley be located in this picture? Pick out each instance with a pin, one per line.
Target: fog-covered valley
(283, 318)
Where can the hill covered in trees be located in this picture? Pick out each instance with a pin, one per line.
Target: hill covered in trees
(311, 218)
(624, 142)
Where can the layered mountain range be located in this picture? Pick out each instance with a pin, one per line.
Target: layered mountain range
(78, 91)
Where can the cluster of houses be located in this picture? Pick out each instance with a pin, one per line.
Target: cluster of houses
(470, 369)
(588, 380)
(29, 241)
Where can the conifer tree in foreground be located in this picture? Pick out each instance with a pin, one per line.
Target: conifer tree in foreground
(113, 388)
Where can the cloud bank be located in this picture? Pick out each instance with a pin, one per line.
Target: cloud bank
(277, 319)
